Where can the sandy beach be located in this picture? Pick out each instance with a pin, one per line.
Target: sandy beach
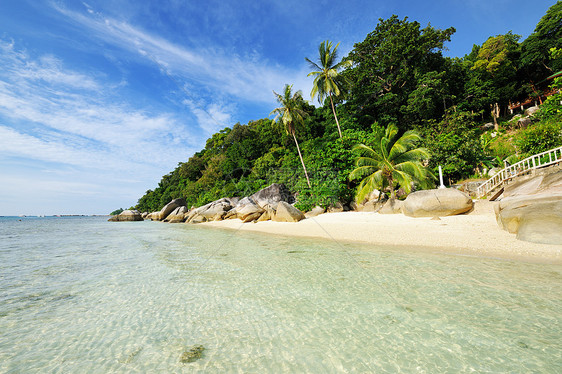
(473, 234)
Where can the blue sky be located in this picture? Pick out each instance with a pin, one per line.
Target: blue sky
(99, 99)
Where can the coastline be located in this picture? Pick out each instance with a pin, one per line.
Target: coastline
(474, 234)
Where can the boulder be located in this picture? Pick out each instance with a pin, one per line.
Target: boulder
(268, 214)
(437, 203)
(197, 218)
(272, 195)
(488, 126)
(545, 181)
(316, 211)
(391, 207)
(524, 122)
(373, 205)
(532, 110)
(285, 212)
(252, 217)
(337, 207)
(534, 218)
(532, 208)
(248, 210)
(215, 208)
(178, 215)
(231, 214)
(127, 215)
(169, 208)
(213, 211)
(144, 215)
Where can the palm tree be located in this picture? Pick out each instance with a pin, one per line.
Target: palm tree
(291, 115)
(327, 81)
(392, 162)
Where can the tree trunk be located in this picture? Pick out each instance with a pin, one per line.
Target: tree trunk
(302, 161)
(335, 116)
(496, 114)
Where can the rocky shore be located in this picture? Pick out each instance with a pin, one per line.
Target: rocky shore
(530, 208)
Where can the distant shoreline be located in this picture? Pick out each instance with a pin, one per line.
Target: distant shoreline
(474, 234)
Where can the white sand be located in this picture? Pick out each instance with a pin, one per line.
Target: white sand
(476, 233)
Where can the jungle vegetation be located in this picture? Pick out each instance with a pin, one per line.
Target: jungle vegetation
(396, 80)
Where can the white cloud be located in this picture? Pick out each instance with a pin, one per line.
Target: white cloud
(48, 99)
(251, 79)
(213, 117)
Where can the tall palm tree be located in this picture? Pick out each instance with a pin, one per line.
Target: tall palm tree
(291, 115)
(327, 81)
(392, 162)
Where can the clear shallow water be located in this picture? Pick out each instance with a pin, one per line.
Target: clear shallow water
(84, 295)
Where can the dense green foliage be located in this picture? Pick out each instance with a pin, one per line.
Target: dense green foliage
(116, 212)
(397, 75)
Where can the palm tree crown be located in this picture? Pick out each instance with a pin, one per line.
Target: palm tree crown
(327, 81)
(392, 161)
(291, 115)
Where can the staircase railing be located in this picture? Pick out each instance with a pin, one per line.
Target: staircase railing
(540, 160)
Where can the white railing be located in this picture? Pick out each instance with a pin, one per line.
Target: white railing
(530, 163)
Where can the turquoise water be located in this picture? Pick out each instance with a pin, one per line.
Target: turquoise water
(82, 295)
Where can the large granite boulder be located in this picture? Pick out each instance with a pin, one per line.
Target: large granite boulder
(316, 211)
(178, 215)
(533, 218)
(336, 207)
(532, 110)
(272, 195)
(215, 209)
(249, 210)
(436, 203)
(531, 207)
(391, 206)
(127, 215)
(168, 208)
(285, 212)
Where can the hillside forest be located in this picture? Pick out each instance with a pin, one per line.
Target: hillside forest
(397, 76)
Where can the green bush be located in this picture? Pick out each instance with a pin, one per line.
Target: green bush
(539, 138)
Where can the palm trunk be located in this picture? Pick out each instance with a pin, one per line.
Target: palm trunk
(335, 116)
(302, 161)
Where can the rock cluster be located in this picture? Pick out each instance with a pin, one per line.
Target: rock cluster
(271, 203)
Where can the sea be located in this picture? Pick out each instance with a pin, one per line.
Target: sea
(83, 295)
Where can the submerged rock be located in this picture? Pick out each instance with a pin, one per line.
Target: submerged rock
(193, 354)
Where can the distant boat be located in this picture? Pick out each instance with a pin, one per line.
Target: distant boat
(22, 215)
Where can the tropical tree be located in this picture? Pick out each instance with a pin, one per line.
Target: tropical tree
(396, 59)
(291, 115)
(536, 60)
(327, 80)
(392, 162)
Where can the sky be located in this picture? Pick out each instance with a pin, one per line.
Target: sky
(100, 99)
